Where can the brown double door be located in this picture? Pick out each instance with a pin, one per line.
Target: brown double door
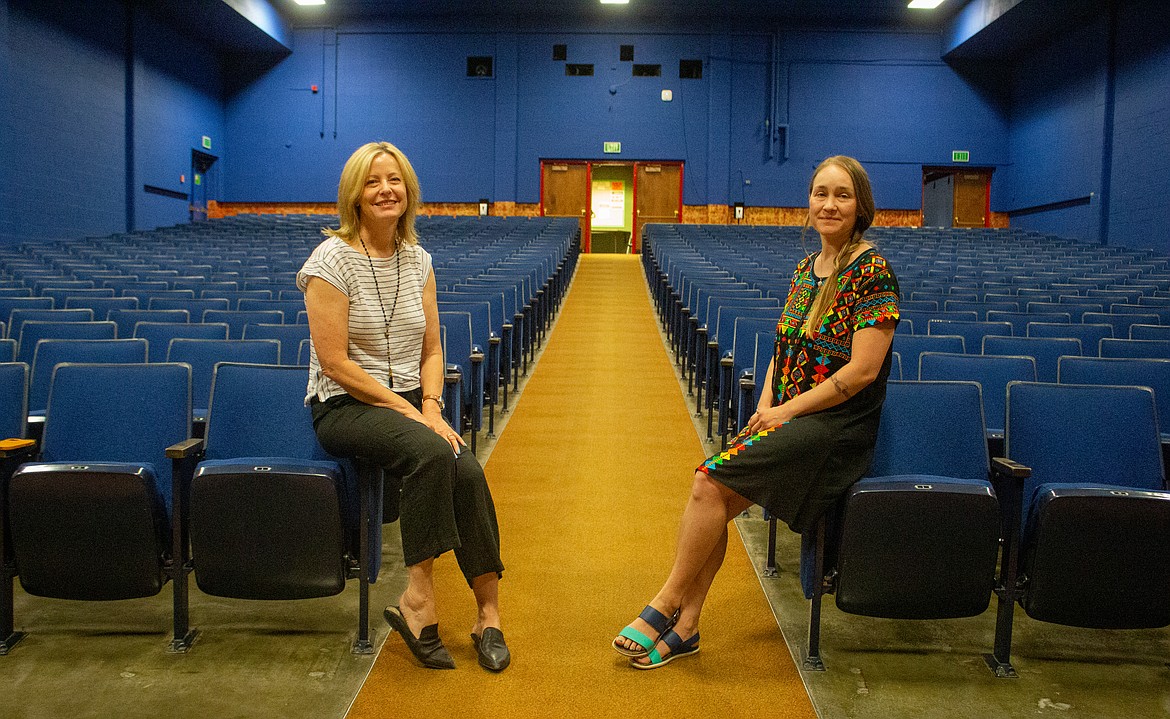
(566, 191)
(956, 197)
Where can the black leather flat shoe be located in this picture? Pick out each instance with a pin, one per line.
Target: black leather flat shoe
(493, 652)
(427, 647)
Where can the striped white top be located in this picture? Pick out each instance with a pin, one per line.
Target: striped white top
(402, 276)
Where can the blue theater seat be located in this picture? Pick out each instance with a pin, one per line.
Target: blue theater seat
(90, 518)
(1095, 516)
(879, 553)
(272, 515)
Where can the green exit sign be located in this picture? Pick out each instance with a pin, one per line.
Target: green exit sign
(206, 142)
(612, 148)
(960, 156)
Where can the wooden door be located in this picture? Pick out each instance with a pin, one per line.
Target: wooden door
(657, 195)
(972, 198)
(564, 192)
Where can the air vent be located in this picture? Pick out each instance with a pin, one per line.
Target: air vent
(690, 69)
(578, 70)
(479, 66)
(647, 71)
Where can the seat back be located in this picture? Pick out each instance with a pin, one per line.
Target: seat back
(237, 319)
(1149, 332)
(1090, 335)
(289, 336)
(1154, 349)
(1120, 322)
(34, 332)
(158, 335)
(20, 315)
(912, 440)
(1084, 434)
(993, 373)
(126, 319)
(459, 351)
(1144, 372)
(117, 413)
(8, 304)
(101, 306)
(258, 410)
(202, 355)
(911, 348)
(13, 399)
(52, 352)
(194, 307)
(971, 332)
(1047, 351)
(288, 308)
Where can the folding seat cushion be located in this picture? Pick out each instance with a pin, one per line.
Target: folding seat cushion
(1096, 558)
(300, 497)
(954, 553)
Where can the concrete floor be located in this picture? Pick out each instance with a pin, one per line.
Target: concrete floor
(292, 659)
(883, 668)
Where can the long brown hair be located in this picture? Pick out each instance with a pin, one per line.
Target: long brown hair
(349, 193)
(863, 192)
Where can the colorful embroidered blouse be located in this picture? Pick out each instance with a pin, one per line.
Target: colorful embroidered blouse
(867, 294)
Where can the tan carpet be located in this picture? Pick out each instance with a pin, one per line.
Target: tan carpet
(590, 477)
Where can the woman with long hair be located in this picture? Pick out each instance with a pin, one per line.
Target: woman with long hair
(813, 432)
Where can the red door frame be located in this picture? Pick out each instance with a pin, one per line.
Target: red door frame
(587, 229)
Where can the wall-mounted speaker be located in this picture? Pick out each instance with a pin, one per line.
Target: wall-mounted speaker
(627, 53)
(479, 66)
(560, 52)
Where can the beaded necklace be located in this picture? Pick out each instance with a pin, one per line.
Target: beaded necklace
(382, 305)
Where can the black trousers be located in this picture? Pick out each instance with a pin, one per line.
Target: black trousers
(444, 500)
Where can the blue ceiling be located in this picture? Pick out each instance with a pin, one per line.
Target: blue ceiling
(795, 12)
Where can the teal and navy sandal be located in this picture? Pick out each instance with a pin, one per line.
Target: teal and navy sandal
(656, 619)
(678, 649)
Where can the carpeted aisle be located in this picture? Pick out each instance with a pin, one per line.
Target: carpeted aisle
(589, 478)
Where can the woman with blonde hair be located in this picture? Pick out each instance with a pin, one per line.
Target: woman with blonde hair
(375, 389)
(815, 425)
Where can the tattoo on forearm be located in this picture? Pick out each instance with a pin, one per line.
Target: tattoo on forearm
(841, 386)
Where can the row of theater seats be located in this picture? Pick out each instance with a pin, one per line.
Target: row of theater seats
(1068, 518)
(714, 283)
(171, 448)
(499, 279)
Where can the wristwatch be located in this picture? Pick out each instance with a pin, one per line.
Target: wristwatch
(437, 398)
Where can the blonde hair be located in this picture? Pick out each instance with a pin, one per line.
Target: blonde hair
(349, 194)
(863, 192)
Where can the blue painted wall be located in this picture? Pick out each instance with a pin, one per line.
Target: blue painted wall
(67, 169)
(177, 101)
(1068, 123)
(64, 168)
(1139, 208)
(885, 98)
(1066, 127)
(1056, 135)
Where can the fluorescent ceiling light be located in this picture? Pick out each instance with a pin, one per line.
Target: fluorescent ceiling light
(924, 4)
(615, 2)
(309, 2)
